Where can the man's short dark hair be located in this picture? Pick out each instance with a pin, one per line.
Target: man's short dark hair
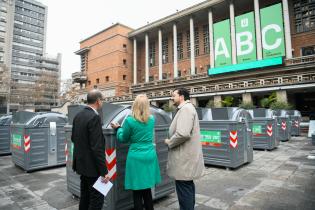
(93, 96)
(183, 92)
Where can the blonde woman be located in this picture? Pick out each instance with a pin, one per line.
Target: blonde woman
(142, 166)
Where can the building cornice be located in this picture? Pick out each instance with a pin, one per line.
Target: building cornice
(186, 12)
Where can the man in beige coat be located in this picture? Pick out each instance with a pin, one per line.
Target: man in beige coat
(185, 158)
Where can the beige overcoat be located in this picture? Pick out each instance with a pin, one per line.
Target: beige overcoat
(185, 158)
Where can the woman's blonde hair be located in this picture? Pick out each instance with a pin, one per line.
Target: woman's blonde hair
(141, 108)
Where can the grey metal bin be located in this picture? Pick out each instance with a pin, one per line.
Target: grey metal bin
(226, 136)
(264, 127)
(5, 133)
(116, 154)
(283, 124)
(38, 139)
(295, 119)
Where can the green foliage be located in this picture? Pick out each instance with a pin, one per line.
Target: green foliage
(247, 105)
(280, 105)
(228, 101)
(264, 103)
(166, 107)
(210, 104)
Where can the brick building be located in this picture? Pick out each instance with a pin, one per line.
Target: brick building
(106, 61)
(184, 49)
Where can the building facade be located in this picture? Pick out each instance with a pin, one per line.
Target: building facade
(106, 61)
(247, 49)
(29, 66)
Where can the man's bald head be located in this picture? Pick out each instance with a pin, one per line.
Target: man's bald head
(93, 96)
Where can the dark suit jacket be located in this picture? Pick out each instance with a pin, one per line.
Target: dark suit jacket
(89, 144)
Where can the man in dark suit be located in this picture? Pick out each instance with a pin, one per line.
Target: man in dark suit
(89, 151)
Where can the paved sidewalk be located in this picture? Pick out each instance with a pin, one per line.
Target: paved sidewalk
(280, 179)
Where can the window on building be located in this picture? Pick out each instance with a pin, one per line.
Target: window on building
(196, 37)
(179, 73)
(180, 46)
(188, 43)
(107, 78)
(124, 46)
(125, 62)
(152, 54)
(304, 14)
(97, 81)
(164, 75)
(165, 50)
(89, 82)
(310, 50)
(151, 78)
(206, 44)
(124, 77)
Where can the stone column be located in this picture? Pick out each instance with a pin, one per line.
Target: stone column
(217, 101)
(211, 38)
(175, 50)
(287, 31)
(258, 31)
(146, 58)
(247, 98)
(160, 54)
(282, 96)
(192, 46)
(232, 19)
(134, 61)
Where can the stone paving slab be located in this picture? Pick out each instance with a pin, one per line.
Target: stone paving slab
(283, 178)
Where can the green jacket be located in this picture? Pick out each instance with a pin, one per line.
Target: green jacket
(142, 165)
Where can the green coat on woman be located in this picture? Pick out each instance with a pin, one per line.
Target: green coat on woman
(142, 166)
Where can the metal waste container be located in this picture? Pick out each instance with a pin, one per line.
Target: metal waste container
(5, 133)
(264, 127)
(226, 136)
(38, 139)
(283, 124)
(116, 154)
(295, 119)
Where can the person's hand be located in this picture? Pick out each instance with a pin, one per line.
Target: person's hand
(167, 141)
(105, 179)
(115, 125)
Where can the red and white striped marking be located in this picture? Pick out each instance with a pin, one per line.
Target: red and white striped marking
(27, 143)
(296, 123)
(66, 151)
(269, 130)
(284, 125)
(111, 161)
(233, 139)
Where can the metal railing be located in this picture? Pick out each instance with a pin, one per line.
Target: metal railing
(287, 62)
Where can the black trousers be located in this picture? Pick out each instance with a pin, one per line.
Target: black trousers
(186, 194)
(90, 198)
(141, 197)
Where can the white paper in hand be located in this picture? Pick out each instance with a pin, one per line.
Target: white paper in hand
(102, 187)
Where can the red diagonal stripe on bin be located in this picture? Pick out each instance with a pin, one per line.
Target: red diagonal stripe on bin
(269, 130)
(27, 143)
(283, 125)
(233, 139)
(111, 163)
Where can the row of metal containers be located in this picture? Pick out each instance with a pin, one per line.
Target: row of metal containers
(35, 139)
(229, 135)
(44, 133)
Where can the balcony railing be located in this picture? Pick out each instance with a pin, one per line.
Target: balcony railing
(204, 75)
(79, 77)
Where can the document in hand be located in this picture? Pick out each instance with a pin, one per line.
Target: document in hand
(102, 187)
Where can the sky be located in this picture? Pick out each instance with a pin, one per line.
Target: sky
(70, 21)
